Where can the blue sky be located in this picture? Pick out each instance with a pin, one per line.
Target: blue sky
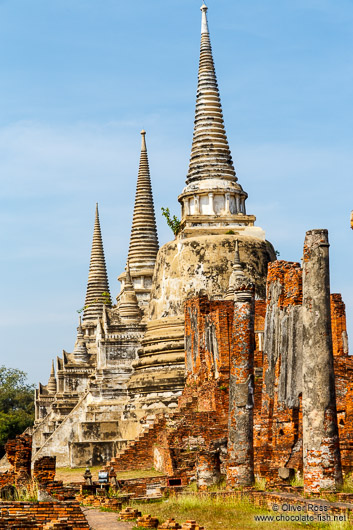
(78, 82)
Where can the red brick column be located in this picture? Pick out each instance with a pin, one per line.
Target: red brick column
(44, 469)
(207, 468)
(321, 452)
(19, 453)
(240, 464)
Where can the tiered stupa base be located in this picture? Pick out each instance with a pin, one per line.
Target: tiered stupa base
(184, 269)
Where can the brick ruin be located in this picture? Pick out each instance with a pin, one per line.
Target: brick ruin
(241, 411)
(193, 442)
(44, 515)
(20, 474)
(19, 454)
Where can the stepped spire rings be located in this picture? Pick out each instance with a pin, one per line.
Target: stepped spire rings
(143, 240)
(97, 292)
(212, 196)
(143, 246)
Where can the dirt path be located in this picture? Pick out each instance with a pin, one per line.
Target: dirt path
(104, 520)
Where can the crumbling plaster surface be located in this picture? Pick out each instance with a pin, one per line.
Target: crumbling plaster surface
(69, 434)
(321, 452)
(66, 431)
(186, 267)
(283, 338)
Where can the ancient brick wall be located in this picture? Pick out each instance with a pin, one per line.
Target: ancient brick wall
(187, 443)
(178, 442)
(42, 513)
(44, 469)
(345, 420)
(44, 474)
(339, 326)
(19, 453)
(277, 426)
(343, 365)
(260, 315)
(278, 419)
(208, 336)
(172, 445)
(139, 453)
(143, 486)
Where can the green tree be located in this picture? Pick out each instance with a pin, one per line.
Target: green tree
(173, 222)
(16, 404)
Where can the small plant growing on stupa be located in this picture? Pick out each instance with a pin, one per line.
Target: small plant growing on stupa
(173, 222)
(104, 298)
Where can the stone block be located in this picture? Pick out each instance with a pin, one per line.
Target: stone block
(286, 473)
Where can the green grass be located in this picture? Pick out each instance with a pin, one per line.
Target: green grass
(123, 475)
(28, 493)
(139, 473)
(298, 481)
(347, 486)
(223, 513)
(93, 469)
(260, 484)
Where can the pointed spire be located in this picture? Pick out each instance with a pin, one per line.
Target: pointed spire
(204, 23)
(237, 273)
(128, 306)
(144, 240)
(239, 284)
(80, 352)
(237, 265)
(51, 386)
(128, 282)
(98, 287)
(79, 329)
(210, 153)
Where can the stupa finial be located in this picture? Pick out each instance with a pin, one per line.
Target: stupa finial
(204, 23)
(143, 142)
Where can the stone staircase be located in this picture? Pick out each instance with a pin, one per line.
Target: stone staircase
(138, 453)
(175, 435)
(92, 434)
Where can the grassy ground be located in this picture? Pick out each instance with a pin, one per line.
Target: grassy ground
(67, 474)
(225, 514)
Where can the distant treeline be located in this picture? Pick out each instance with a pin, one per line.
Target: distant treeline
(16, 404)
